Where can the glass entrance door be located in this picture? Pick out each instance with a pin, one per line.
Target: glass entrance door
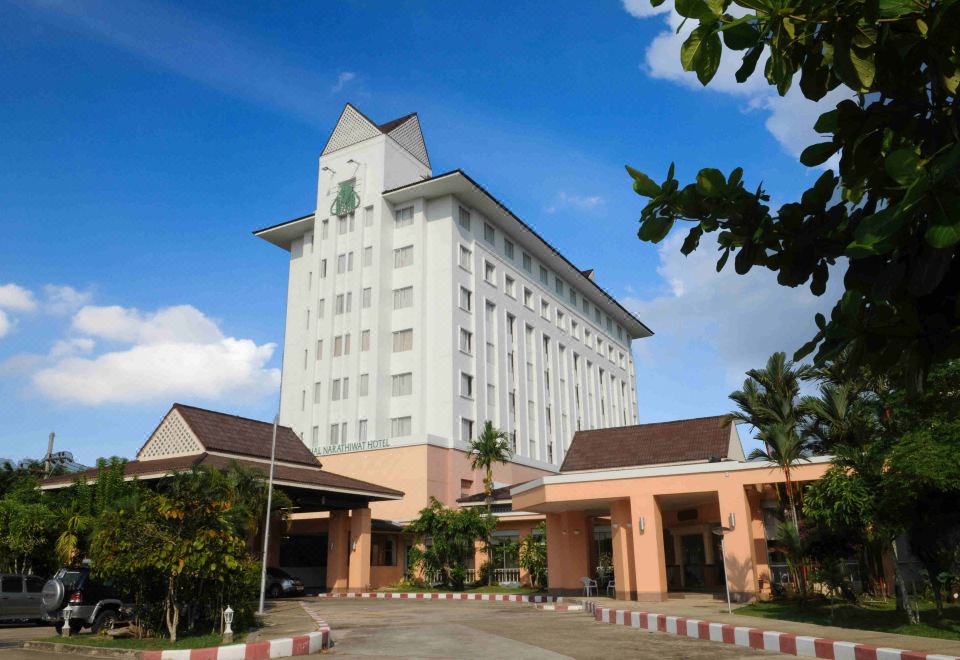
(694, 557)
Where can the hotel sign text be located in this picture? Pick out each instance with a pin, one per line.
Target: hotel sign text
(355, 446)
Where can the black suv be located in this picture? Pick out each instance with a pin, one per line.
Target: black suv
(92, 604)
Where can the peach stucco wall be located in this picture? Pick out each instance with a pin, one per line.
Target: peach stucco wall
(420, 471)
(639, 561)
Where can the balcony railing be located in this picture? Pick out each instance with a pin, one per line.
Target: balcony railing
(506, 575)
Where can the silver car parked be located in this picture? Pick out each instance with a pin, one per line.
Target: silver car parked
(20, 597)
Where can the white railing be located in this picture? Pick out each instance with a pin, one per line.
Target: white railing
(471, 575)
(506, 575)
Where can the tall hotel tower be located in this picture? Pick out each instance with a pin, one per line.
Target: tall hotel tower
(419, 306)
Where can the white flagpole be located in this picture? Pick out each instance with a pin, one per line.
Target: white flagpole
(266, 524)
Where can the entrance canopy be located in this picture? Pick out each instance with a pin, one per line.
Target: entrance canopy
(189, 437)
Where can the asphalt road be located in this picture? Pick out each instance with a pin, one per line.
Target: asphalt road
(436, 629)
(12, 635)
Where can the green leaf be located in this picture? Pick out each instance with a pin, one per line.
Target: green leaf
(874, 232)
(655, 230)
(817, 154)
(701, 53)
(656, 3)
(642, 184)
(896, 8)
(827, 122)
(749, 64)
(693, 9)
(902, 165)
(943, 233)
(723, 260)
(740, 35)
(711, 182)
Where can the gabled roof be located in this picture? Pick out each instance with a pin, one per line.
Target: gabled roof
(353, 127)
(499, 494)
(682, 441)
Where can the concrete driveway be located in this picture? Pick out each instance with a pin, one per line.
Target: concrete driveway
(437, 629)
(12, 635)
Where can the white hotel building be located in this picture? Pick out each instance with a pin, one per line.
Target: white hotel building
(419, 307)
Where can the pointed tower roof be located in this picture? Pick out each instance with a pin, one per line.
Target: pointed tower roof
(354, 126)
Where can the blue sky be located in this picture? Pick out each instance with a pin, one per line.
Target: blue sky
(143, 141)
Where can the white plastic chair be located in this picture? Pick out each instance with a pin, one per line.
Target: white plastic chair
(589, 584)
(612, 586)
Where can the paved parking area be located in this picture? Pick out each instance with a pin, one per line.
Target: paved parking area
(437, 629)
(12, 635)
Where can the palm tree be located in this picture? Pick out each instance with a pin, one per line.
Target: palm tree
(490, 447)
(770, 403)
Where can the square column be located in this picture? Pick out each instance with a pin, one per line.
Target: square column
(359, 578)
(568, 552)
(651, 567)
(338, 533)
(624, 565)
(738, 544)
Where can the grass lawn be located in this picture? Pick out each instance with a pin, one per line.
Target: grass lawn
(147, 644)
(879, 617)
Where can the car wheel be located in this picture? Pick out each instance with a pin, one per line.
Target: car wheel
(76, 626)
(104, 621)
(275, 591)
(58, 626)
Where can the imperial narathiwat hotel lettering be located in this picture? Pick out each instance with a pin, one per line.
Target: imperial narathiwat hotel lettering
(420, 307)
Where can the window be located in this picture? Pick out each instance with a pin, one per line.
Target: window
(466, 299)
(528, 297)
(362, 430)
(341, 345)
(366, 298)
(345, 224)
(335, 389)
(341, 306)
(403, 217)
(315, 436)
(490, 273)
(466, 341)
(558, 284)
(319, 348)
(365, 340)
(321, 306)
(466, 259)
(466, 385)
(488, 233)
(310, 281)
(509, 286)
(316, 393)
(508, 248)
(403, 257)
(368, 256)
(561, 321)
(491, 396)
(465, 218)
(306, 319)
(573, 297)
(368, 216)
(399, 427)
(323, 268)
(346, 388)
(403, 298)
(586, 307)
(466, 429)
(575, 329)
(596, 315)
(383, 550)
(527, 262)
(543, 275)
(341, 264)
(544, 309)
(491, 357)
(401, 384)
(325, 228)
(334, 434)
(303, 399)
(403, 340)
(363, 387)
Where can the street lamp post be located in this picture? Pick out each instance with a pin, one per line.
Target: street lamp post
(722, 532)
(266, 522)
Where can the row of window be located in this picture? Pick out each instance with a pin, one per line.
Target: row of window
(560, 287)
(400, 427)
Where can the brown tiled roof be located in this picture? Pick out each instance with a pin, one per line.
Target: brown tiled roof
(247, 437)
(305, 476)
(681, 441)
(498, 494)
(393, 123)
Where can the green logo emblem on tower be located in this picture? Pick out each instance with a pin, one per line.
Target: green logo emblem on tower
(347, 199)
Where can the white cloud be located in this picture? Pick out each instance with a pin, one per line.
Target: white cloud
(643, 8)
(580, 202)
(62, 299)
(738, 320)
(5, 323)
(16, 298)
(342, 79)
(172, 353)
(791, 117)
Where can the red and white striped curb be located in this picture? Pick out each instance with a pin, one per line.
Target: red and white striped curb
(559, 607)
(306, 644)
(754, 638)
(506, 598)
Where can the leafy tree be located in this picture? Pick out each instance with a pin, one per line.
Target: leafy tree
(446, 537)
(769, 402)
(533, 555)
(27, 529)
(490, 447)
(891, 213)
